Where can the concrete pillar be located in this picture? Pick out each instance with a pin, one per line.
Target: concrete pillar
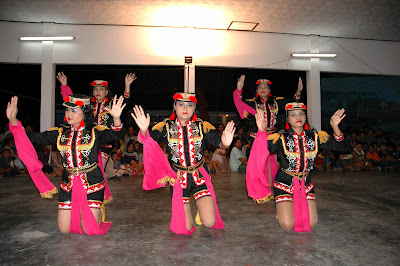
(189, 77)
(47, 100)
(314, 87)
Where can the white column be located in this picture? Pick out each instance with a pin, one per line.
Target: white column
(189, 78)
(47, 100)
(314, 87)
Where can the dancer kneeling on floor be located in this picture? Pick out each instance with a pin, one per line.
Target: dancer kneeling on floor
(297, 147)
(185, 136)
(78, 140)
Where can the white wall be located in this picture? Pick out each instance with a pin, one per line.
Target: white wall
(125, 45)
(167, 46)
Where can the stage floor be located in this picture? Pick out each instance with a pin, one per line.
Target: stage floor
(359, 224)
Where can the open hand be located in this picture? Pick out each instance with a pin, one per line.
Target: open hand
(240, 82)
(261, 124)
(62, 78)
(227, 134)
(117, 107)
(12, 111)
(337, 117)
(142, 120)
(129, 78)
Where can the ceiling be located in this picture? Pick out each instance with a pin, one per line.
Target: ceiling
(361, 19)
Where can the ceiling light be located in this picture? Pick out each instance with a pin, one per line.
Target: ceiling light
(58, 38)
(240, 25)
(313, 55)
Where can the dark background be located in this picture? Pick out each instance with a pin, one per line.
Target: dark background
(153, 88)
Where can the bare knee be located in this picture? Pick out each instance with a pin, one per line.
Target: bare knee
(64, 229)
(286, 225)
(313, 222)
(209, 222)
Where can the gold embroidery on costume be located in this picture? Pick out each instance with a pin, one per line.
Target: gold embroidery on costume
(207, 127)
(307, 154)
(159, 126)
(274, 137)
(323, 136)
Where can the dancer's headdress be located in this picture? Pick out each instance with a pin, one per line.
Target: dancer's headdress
(76, 100)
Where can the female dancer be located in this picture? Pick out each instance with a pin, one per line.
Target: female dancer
(297, 147)
(100, 102)
(269, 106)
(185, 136)
(78, 140)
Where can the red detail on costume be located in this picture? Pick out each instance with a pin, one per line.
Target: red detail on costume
(283, 198)
(306, 127)
(287, 126)
(106, 99)
(65, 119)
(127, 95)
(82, 123)
(116, 128)
(194, 118)
(172, 117)
(65, 205)
(93, 83)
(66, 99)
(104, 83)
(93, 99)
(269, 82)
(304, 107)
(289, 106)
(338, 138)
(178, 96)
(201, 194)
(80, 103)
(257, 94)
(193, 99)
(269, 95)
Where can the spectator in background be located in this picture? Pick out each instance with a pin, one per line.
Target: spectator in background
(130, 136)
(373, 157)
(129, 154)
(220, 161)
(7, 168)
(352, 140)
(371, 137)
(387, 160)
(220, 129)
(236, 160)
(360, 160)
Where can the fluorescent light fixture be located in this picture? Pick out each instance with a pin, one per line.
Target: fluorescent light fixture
(313, 55)
(240, 25)
(58, 38)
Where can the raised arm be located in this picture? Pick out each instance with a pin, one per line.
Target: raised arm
(129, 78)
(243, 109)
(65, 89)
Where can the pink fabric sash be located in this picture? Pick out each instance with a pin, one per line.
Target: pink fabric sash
(28, 155)
(157, 168)
(257, 182)
(80, 207)
(300, 207)
(65, 92)
(241, 106)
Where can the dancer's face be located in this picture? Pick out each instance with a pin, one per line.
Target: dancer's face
(74, 116)
(100, 93)
(184, 110)
(263, 90)
(297, 118)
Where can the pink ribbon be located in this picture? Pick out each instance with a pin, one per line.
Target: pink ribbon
(300, 207)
